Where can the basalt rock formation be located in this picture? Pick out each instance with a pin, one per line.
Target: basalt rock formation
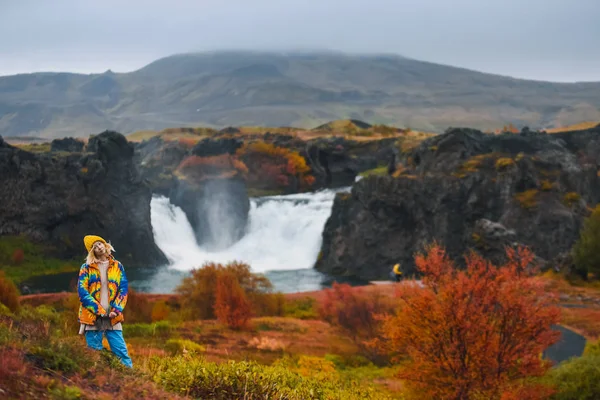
(57, 199)
(466, 190)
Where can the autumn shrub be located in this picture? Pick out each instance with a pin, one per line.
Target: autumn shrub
(160, 311)
(9, 294)
(356, 312)
(67, 355)
(267, 304)
(477, 331)
(270, 166)
(198, 291)
(200, 379)
(232, 306)
(138, 308)
(571, 198)
(546, 185)
(301, 308)
(199, 168)
(187, 142)
(503, 163)
(527, 199)
(12, 371)
(586, 251)
(576, 379)
(18, 256)
(592, 348)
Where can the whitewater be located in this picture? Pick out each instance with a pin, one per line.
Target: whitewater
(283, 233)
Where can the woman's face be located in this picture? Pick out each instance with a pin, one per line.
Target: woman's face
(99, 249)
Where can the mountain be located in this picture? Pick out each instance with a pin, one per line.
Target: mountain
(299, 89)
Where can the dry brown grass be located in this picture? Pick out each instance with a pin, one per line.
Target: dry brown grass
(575, 127)
(585, 321)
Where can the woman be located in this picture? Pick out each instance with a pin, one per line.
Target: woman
(102, 290)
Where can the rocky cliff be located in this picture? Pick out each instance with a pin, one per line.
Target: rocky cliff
(466, 190)
(56, 199)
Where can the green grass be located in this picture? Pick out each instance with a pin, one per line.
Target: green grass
(35, 262)
(379, 171)
(35, 147)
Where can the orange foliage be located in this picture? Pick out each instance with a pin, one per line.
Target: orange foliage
(232, 307)
(18, 256)
(187, 142)
(510, 128)
(160, 311)
(9, 294)
(355, 312)
(474, 332)
(271, 166)
(138, 308)
(221, 166)
(198, 291)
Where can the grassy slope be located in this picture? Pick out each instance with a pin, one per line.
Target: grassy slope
(270, 342)
(35, 260)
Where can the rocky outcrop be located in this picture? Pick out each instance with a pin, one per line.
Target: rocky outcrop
(57, 199)
(66, 144)
(214, 147)
(466, 190)
(217, 209)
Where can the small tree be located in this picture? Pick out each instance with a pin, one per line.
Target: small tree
(356, 312)
(473, 333)
(586, 251)
(232, 307)
(198, 291)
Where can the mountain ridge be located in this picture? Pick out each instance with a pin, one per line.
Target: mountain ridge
(219, 89)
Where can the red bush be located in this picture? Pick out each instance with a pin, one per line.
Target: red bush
(14, 376)
(356, 312)
(9, 294)
(232, 307)
(18, 256)
(474, 332)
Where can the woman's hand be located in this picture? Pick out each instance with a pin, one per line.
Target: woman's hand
(112, 314)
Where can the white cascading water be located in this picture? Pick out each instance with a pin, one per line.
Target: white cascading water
(283, 233)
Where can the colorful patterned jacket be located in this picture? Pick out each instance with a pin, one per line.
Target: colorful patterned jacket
(88, 289)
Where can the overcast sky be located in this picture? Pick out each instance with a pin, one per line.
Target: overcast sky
(538, 39)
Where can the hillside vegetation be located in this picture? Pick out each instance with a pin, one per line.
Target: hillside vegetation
(331, 344)
(272, 89)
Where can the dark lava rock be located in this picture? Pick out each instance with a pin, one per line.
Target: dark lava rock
(217, 210)
(533, 189)
(66, 144)
(57, 200)
(215, 147)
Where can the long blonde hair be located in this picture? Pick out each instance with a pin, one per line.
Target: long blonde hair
(91, 257)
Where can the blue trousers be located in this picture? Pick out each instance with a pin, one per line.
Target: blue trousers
(115, 341)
